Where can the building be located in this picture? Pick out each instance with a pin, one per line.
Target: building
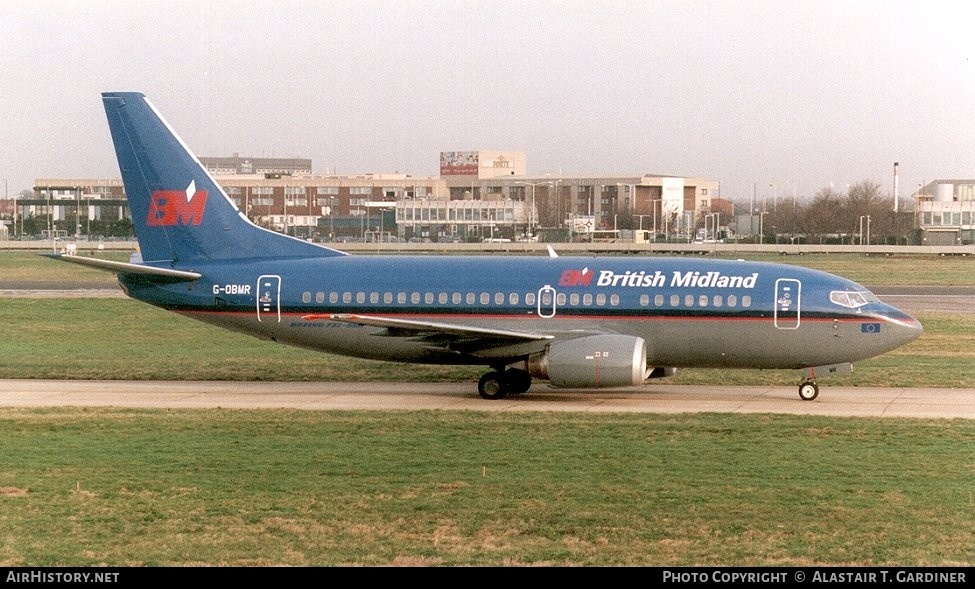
(237, 164)
(945, 212)
(478, 195)
(65, 207)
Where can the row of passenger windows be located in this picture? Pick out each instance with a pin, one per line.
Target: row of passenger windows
(513, 299)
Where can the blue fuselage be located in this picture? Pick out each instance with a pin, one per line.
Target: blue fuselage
(691, 312)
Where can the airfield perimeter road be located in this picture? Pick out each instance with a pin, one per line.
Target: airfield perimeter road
(655, 398)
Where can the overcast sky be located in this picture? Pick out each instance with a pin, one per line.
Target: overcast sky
(780, 98)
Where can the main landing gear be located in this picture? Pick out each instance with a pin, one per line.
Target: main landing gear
(499, 383)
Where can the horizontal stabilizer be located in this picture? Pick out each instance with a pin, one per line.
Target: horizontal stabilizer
(127, 268)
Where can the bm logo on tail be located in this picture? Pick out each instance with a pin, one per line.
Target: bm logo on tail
(168, 208)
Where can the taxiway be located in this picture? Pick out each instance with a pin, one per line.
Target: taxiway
(935, 403)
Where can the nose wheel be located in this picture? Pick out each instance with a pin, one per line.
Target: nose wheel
(808, 390)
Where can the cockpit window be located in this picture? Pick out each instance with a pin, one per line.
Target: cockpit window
(852, 298)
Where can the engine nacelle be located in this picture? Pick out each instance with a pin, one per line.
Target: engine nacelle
(593, 361)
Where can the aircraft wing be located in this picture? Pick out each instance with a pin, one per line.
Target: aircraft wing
(127, 268)
(479, 341)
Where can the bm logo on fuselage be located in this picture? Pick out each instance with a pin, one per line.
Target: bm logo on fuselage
(168, 208)
(576, 277)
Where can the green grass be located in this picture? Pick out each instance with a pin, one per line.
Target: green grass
(90, 487)
(880, 270)
(82, 487)
(37, 268)
(55, 338)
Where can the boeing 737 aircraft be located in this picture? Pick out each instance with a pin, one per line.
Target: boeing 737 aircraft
(576, 322)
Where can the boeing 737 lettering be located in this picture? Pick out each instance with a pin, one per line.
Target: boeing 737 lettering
(575, 322)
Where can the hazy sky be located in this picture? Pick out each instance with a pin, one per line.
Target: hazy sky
(778, 97)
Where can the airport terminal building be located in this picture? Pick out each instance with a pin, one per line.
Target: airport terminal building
(477, 195)
(945, 212)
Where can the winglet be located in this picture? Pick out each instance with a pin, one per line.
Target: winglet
(551, 252)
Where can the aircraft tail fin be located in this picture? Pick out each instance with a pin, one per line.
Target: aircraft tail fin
(179, 212)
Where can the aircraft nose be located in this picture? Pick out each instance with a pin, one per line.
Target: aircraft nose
(903, 327)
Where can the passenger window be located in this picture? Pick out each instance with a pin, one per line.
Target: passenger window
(333, 297)
(415, 298)
(401, 298)
(560, 299)
(442, 298)
(587, 299)
(456, 298)
(374, 297)
(513, 298)
(702, 301)
(499, 298)
(306, 297)
(644, 300)
(387, 297)
(600, 300)
(471, 298)
(360, 297)
(614, 299)
(689, 300)
(732, 300)
(346, 297)
(319, 297)
(746, 301)
(428, 298)
(658, 300)
(674, 300)
(485, 298)
(718, 301)
(530, 298)
(574, 299)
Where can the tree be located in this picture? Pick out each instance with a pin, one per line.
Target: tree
(865, 201)
(824, 216)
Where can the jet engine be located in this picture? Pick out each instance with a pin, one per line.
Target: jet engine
(592, 361)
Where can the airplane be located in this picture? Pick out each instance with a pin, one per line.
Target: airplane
(576, 322)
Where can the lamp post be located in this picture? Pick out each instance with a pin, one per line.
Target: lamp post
(15, 205)
(77, 213)
(558, 203)
(761, 227)
(862, 217)
(715, 220)
(656, 206)
(531, 211)
(331, 218)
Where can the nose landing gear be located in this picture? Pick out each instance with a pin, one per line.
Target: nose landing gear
(808, 390)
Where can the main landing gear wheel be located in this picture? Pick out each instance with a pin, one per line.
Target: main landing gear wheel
(808, 390)
(492, 386)
(518, 381)
(500, 383)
